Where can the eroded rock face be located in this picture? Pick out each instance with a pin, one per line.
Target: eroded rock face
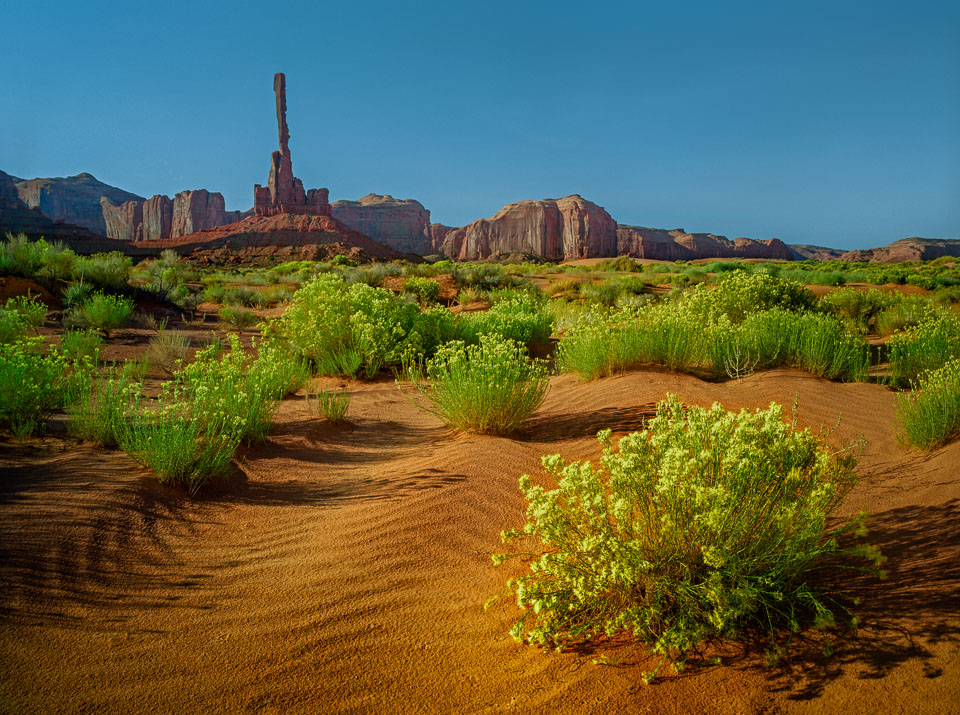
(284, 192)
(401, 224)
(74, 199)
(157, 217)
(907, 249)
(678, 245)
(555, 229)
(125, 221)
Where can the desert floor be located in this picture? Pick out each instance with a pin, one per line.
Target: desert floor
(345, 568)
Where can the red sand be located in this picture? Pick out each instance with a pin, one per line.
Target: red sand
(346, 571)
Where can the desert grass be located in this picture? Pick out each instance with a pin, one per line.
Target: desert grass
(930, 414)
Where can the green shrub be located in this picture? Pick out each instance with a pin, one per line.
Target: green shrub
(102, 312)
(860, 307)
(930, 416)
(425, 290)
(19, 256)
(76, 295)
(99, 413)
(708, 524)
(166, 437)
(31, 310)
(331, 405)
(523, 318)
(13, 326)
(738, 293)
(905, 313)
(241, 296)
(238, 319)
(33, 384)
(490, 387)
(79, 344)
(342, 260)
(923, 347)
(106, 271)
(214, 293)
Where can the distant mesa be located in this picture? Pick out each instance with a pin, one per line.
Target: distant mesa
(678, 245)
(284, 192)
(161, 217)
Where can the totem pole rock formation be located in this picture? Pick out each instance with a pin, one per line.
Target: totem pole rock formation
(284, 192)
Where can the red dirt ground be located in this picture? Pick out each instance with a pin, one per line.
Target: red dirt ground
(344, 569)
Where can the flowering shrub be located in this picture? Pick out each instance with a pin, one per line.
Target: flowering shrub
(30, 309)
(103, 312)
(521, 317)
(923, 347)
(490, 387)
(424, 289)
(100, 410)
(738, 293)
(706, 524)
(930, 416)
(33, 384)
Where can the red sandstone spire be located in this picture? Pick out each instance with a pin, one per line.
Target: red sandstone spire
(284, 192)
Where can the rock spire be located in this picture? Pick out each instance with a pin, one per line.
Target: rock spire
(284, 192)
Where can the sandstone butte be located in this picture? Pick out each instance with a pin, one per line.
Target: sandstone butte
(906, 249)
(73, 199)
(17, 217)
(573, 227)
(160, 217)
(401, 224)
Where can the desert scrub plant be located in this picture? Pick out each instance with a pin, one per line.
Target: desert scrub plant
(236, 318)
(706, 524)
(78, 345)
(922, 348)
(907, 312)
(168, 350)
(102, 312)
(33, 384)
(738, 293)
(425, 290)
(930, 415)
(329, 404)
(861, 307)
(13, 326)
(523, 317)
(31, 310)
(492, 387)
(165, 436)
(99, 412)
(106, 271)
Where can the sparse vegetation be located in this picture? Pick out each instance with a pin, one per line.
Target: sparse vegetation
(332, 405)
(930, 415)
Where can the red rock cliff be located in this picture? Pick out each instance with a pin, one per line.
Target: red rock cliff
(74, 199)
(678, 245)
(555, 229)
(402, 224)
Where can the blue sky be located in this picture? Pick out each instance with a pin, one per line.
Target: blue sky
(834, 123)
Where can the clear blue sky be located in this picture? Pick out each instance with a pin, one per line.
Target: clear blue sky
(834, 123)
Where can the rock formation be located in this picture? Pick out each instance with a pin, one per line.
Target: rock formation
(555, 229)
(285, 236)
(806, 252)
(159, 217)
(74, 199)
(401, 224)
(676, 245)
(907, 249)
(16, 217)
(284, 192)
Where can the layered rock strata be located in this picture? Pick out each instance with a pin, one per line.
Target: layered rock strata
(401, 224)
(159, 217)
(554, 229)
(678, 245)
(73, 199)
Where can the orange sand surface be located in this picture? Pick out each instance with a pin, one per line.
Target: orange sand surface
(345, 568)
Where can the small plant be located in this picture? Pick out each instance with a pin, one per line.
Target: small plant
(492, 387)
(236, 318)
(930, 415)
(330, 405)
(707, 524)
(76, 295)
(79, 344)
(103, 312)
(99, 412)
(32, 385)
(425, 290)
(13, 326)
(105, 271)
(32, 310)
(923, 347)
(168, 350)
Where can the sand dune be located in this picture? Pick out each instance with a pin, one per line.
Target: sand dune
(345, 569)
